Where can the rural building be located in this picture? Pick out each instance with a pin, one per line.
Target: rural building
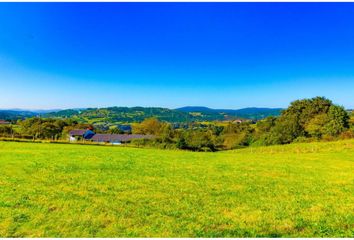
(3, 122)
(75, 135)
(238, 121)
(80, 134)
(117, 138)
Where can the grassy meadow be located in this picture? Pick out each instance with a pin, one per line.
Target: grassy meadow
(67, 190)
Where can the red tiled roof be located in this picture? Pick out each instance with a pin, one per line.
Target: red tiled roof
(4, 122)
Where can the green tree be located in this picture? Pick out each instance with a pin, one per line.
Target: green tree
(181, 143)
(308, 117)
(167, 133)
(42, 128)
(6, 131)
(285, 130)
(237, 134)
(316, 126)
(305, 109)
(338, 120)
(196, 140)
(351, 121)
(115, 130)
(149, 126)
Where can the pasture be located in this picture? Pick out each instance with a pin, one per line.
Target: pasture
(67, 190)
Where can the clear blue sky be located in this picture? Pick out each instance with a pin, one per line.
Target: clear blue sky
(221, 55)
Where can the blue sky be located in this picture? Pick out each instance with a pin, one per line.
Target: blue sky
(220, 55)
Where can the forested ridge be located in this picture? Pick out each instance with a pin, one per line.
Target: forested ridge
(186, 114)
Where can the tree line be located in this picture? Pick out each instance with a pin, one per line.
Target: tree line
(304, 120)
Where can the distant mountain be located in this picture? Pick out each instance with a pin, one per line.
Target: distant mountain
(31, 110)
(196, 109)
(249, 113)
(41, 111)
(15, 114)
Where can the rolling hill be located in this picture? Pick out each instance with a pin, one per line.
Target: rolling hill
(138, 114)
(249, 113)
(16, 114)
(185, 114)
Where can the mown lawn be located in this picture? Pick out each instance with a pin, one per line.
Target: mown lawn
(62, 190)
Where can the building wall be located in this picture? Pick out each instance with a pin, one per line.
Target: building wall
(72, 139)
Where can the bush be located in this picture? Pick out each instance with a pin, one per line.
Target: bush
(302, 140)
(347, 134)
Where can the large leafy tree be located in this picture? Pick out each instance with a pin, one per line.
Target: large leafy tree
(306, 109)
(150, 126)
(308, 117)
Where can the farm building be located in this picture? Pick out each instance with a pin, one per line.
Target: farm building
(3, 122)
(239, 121)
(89, 135)
(117, 138)
(75, 135)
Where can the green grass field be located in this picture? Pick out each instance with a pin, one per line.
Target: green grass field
(64, 190)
